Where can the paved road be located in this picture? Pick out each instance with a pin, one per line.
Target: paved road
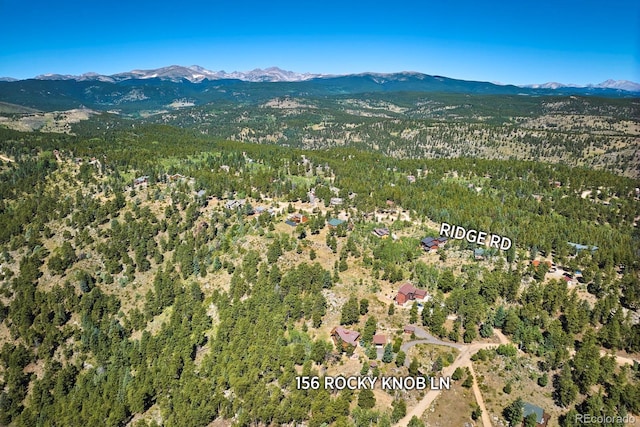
(425, 338)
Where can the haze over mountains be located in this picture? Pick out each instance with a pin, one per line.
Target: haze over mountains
(196, 74)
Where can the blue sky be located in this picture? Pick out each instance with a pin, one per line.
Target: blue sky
(515, 42)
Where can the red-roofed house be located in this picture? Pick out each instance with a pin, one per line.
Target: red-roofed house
(379, 340)
(408, 292)
(344, 336)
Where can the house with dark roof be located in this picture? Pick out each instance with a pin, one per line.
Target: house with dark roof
(542, 418)
(344, 337)
(408, 292)
(382, 233)
(433, 243)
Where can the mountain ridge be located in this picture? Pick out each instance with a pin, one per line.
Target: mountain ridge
(625, 85)
(197, 74)
(159, 89)
(193, 73)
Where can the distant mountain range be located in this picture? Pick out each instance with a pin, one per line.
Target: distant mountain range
(197, 74)
(607, 84)
(165, 88)
(194, 74)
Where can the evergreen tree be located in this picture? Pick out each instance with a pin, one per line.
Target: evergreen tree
(369, 329)
(366, 399)
(364, 306)
(350, 312)
(413, 313)
(565, 390)
(388, 354)
(513, 413)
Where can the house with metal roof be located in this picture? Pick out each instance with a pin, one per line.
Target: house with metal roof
(542, 418)
(334, 222)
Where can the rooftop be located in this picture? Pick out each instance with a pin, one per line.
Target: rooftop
(334, 222)
(347, 336)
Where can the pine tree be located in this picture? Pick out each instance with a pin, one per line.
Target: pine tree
(369, 329)
(565, 390)
(514, 412)
(413, 313)
(388, 354)
(414, 366)
(366, 399)
(364, 306)
(350, 312)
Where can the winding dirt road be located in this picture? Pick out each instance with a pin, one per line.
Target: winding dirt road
(463, 360)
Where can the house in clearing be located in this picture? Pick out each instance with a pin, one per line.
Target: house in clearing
(579, 247)
(298, 218)
(433, 243)
(141, 180)
(379, 340)
(335, 222)
(542, 418)
(409, 329)
(382, 233)
(344, 337)
(408, 292)
(235, 204)
(536, 263)
(480, 254)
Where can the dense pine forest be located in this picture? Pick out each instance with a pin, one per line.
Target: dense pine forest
(148, 276)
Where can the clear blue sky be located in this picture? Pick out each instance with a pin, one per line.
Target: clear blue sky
(510, 42)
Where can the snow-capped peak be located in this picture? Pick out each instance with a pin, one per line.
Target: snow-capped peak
(625, 85)
(193, 73)
(620, 84)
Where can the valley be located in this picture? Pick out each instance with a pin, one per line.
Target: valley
(172, 259)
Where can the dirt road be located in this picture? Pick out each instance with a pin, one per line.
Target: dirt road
(463, 360)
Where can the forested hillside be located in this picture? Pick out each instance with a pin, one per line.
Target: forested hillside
(148, 277)
(401, 115)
